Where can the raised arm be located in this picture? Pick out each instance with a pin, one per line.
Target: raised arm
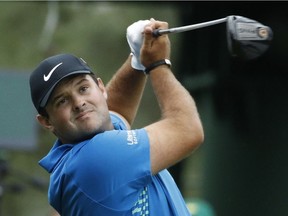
(126, 87)
(125, 91)
(179, 132)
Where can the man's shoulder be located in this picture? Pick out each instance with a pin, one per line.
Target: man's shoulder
(118, 121)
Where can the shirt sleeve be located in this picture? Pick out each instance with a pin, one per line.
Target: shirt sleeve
(118, 121)
(114, 166)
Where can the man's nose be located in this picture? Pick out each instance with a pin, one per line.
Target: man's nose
(79, 103)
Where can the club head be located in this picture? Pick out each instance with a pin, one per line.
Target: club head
(247, 39)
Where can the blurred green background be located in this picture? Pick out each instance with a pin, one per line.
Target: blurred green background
(32, 31)
(242, 167)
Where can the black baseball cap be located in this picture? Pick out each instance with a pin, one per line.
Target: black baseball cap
(50, 72)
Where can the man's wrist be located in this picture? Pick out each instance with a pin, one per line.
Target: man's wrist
(157, 64)
(135, 63)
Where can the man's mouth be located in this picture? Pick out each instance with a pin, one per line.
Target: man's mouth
(83, 115)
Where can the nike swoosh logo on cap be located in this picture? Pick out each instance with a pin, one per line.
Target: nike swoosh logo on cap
(46, 78)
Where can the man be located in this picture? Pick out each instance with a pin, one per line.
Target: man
(98, 165)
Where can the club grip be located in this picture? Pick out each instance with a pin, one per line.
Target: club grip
(156, 33)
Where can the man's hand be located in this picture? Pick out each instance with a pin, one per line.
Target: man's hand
(154, 48)
(134, 37)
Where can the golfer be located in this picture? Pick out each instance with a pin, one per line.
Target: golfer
(98, 165)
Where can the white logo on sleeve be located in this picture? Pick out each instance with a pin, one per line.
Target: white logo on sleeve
(46, 78)
(131, 138)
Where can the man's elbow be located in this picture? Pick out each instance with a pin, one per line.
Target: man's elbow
(201, 135)
(197, 137)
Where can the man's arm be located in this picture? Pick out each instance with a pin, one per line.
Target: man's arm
(125, 91)
(54, 212)
(179, 132)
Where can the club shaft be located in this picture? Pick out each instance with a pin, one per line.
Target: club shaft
(159, 32)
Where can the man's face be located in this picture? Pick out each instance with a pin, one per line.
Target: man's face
(77, 109)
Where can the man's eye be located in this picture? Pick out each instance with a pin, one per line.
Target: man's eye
(61, 101)
(83, 89)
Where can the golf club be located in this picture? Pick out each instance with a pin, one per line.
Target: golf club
(246, 38)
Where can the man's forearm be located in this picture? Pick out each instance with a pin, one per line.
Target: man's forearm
(179, 132)
(125, 91)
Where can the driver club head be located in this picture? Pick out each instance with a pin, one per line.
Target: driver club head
(247, 39)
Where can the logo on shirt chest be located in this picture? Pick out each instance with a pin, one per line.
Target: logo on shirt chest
(131, 138)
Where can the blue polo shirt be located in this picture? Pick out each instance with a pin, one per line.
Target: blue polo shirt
(110, 175)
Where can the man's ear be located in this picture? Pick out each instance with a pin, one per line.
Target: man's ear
(102, 88)
(44, 121)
